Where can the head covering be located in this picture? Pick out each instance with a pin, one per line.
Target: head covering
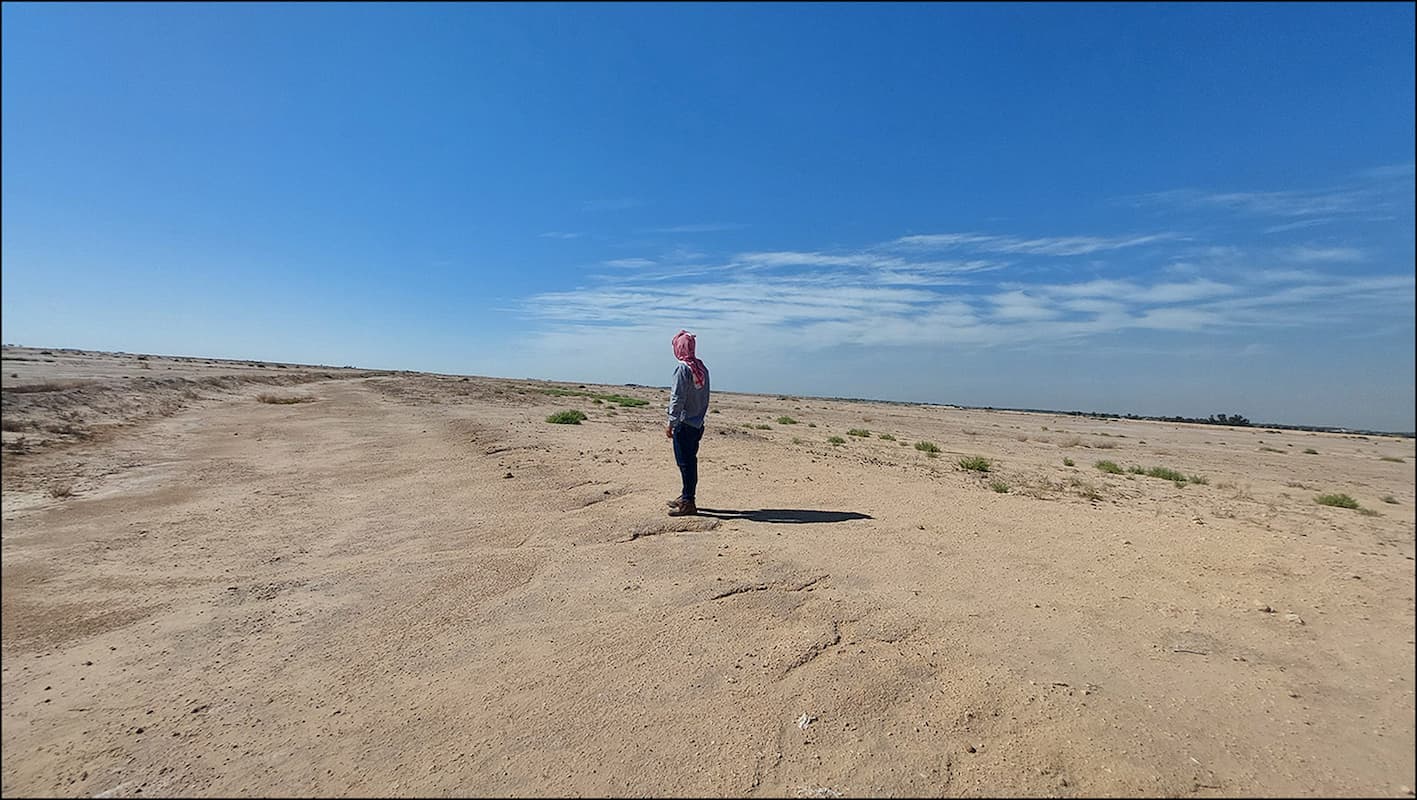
(684, 351)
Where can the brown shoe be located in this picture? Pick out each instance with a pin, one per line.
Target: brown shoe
(675, 503)
(684, 509)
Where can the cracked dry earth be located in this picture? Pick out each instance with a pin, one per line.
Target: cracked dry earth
(414, 585)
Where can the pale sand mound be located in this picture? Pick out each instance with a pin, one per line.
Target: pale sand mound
(416, 586)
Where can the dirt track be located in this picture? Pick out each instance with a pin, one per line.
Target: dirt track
(414, 585)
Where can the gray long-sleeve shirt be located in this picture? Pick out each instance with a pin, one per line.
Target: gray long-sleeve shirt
(688, 403)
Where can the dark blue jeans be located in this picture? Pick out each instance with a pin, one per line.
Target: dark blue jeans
(686, 455)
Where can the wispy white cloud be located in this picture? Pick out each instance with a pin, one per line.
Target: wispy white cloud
(1300, 224)
(559, 235)
(898, 294)
(1306, 254)
(1046, 246)
(1390, 171)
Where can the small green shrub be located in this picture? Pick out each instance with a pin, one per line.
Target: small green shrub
(763, 427)
(859, 432)
(887, 437)
(1200, 479)
(1165, 473)
(1336, 500)
(927, 447)
(835, 440)
(1136, 469)
(571, 417)
(785, 420)
(1109, 467)
(999, 486)
(1067, 462)
(974, 463)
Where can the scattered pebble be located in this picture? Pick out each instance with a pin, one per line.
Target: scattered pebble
(972, 749)
(805, 720)
(1295, 618)
(508, 475)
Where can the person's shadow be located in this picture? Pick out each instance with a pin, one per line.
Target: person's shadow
(789, 515)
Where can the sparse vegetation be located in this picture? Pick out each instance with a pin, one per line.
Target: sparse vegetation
(1392, 458)
(1109, 467)
(284, 399)
(619, 399)
(762, 427)
(1067, 462)
(835, 440)
(570, 417)
(974, 463)
(1084, 489)
(887, 437)
(1368, 512)
(859, 432)
(927, 447)
(999, 486)
(786, 420)
(1336, 500)
(1165, 473)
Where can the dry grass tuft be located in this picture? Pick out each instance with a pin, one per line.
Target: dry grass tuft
(284, 400)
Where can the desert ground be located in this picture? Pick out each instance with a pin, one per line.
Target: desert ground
(410, 584)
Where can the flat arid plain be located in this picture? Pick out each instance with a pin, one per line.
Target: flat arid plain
(228, 577)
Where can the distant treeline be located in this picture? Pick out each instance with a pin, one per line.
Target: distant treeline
(1230, 420)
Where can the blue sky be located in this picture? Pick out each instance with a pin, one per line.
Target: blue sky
(1159, 209)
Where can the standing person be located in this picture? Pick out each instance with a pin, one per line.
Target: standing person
(688, 405)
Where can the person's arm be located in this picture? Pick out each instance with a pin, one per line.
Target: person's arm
(676, 401)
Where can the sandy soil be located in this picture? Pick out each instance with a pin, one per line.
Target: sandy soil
(415, 585)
